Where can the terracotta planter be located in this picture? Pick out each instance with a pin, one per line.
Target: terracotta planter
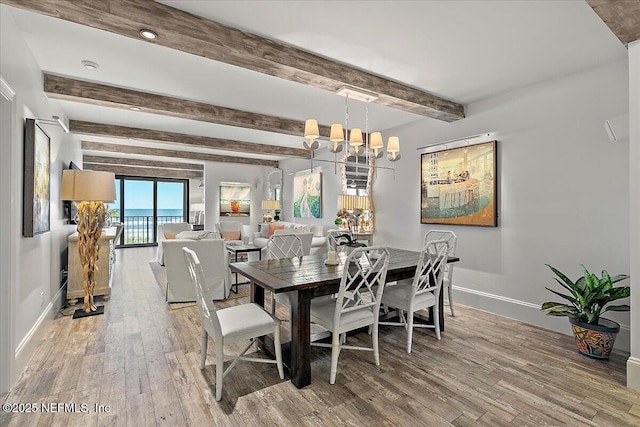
(595, 341)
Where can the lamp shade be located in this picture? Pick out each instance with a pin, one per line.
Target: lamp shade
(270, 205)
(337, 133)
(197, 207)
(393, 145)
(351, 202)
(355, 137)
(376, 140)
(88, 186)
(311, 129)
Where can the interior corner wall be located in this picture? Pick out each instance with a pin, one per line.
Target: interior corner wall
(331, 188)
(563, 194)
(633, 364)
(216, 173)
(37, 291)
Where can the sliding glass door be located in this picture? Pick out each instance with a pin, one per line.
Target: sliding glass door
(147, 203)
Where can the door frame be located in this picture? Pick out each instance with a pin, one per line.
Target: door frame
(8, 241)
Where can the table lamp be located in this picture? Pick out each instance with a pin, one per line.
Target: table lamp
(271, 205)
(88, 190)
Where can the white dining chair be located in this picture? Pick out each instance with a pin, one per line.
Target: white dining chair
(421, 292)
(282, 246)
(238, 323)
(357, 303)
(452, 239)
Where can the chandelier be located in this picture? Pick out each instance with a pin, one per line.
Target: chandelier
(371, 145)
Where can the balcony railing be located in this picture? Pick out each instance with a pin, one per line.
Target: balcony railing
(138, 230)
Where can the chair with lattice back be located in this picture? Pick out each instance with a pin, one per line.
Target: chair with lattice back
(421, 292)
(238, 323)
(282, 246)
(452, 239)
(357, 303)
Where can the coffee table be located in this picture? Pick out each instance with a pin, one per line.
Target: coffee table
(242, 249)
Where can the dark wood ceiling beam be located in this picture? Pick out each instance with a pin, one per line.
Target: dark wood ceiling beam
(199, 36)
(100, 129)
(178, 154)
(146, 172)
(621, 16)
(121, 161)
(68, 89)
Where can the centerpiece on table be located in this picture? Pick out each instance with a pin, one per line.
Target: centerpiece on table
(349, 239)
(588, 297)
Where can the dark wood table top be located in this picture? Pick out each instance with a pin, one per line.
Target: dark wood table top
(310, 271)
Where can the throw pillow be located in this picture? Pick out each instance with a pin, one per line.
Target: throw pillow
(273, 228)
(193, 235)
(169, 236)
(230, 235)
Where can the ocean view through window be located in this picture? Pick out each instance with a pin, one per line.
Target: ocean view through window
(147, 203)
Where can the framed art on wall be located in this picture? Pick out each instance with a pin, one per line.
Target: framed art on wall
(307, 195)
(36, 188)
(235, 199)
(458, 186)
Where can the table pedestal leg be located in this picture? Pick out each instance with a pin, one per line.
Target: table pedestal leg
(301, 338)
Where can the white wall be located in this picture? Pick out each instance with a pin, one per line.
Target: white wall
(563, 193)
(331, 188)
(633, 364)
(215, 173)
(36, 290)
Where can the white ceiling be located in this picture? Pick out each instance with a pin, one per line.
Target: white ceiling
(461, 50)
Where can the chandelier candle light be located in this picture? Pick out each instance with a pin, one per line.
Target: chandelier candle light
(371, 145)
(89, 190)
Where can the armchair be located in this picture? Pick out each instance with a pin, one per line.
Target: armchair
(233, 232)
(215, 264)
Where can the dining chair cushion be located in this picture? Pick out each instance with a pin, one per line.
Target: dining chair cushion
(323, 313)
(245, 321)
(398, 296)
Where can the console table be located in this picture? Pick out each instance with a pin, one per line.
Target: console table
(106, 259)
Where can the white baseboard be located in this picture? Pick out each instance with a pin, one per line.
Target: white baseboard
(27, 347)
(529, 313)
(633, 373)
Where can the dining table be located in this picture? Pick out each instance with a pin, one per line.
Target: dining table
(308, 277)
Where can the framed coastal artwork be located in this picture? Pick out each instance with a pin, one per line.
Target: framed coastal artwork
(235, 199)
(458, 186)
(307, 195)
(36, 188)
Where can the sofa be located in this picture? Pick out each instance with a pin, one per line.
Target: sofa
(317, 245)
(215, 263)
(169, 231)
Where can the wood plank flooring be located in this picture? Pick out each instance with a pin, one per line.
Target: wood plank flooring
(141, 359)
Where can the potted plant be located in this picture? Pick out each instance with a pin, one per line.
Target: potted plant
(588, 298)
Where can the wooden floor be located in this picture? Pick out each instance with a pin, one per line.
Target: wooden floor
(141, 359)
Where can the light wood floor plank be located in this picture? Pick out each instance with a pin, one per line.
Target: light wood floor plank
(141, 358)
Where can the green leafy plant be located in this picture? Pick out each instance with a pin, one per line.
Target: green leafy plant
(588, 296)
(338, 221)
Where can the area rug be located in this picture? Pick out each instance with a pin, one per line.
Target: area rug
(160, 276)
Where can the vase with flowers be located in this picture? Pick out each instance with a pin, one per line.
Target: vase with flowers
(349, 239)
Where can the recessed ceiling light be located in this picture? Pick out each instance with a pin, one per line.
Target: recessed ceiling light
(89, 65)
(148, 34)
(134, 108)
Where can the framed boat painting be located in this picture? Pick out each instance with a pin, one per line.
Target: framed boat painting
(36, 188)
(458, 186)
